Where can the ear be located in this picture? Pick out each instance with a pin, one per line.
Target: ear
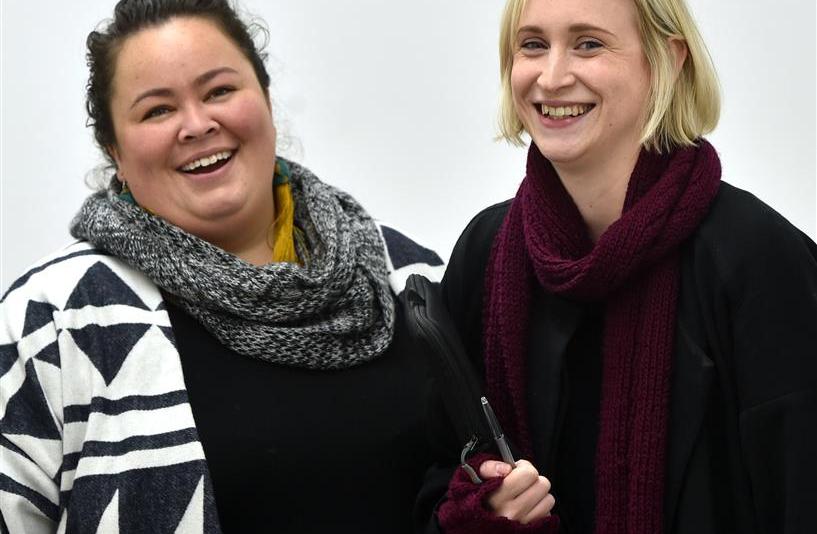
(114, 155)
(678, 49)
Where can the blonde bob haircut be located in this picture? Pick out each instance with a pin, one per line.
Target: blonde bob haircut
(677, 113)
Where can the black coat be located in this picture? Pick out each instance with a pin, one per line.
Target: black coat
(742, 434)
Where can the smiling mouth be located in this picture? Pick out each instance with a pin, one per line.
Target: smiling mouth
(564, 112)
(208, 164)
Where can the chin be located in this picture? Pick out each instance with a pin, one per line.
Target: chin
(559, 153)
(219, 211)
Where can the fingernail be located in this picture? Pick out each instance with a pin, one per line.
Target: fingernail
(502, 469)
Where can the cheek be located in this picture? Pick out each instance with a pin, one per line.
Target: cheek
(646, 87)
(148, 148)
(520, 82)
(634, 97)
(622, 90)
(634, 88)
(251, 118)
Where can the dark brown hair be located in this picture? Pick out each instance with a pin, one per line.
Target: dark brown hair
(131, 16)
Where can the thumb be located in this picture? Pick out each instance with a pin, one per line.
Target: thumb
(494, 469)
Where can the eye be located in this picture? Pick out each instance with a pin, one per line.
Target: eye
(154, 112)
(533, 45)
(220, 91)
(589, 44)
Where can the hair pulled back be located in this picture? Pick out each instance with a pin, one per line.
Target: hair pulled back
(131, 16)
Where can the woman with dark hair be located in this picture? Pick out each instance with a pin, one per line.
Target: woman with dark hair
(647, 332)
(220, 351)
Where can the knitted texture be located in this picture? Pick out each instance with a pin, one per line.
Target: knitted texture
(465, 510)
(333, 312)
(634, 268)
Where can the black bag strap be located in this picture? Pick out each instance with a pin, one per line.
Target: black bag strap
(432, 328)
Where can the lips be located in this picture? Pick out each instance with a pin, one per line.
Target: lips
(562, 112)
(207, 163)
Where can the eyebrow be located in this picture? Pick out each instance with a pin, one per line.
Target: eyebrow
(574, 28)
(199, 81)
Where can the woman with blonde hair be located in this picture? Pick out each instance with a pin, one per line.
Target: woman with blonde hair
(646, 332)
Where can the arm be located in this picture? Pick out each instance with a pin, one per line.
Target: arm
(756, 278)
(775, 347)
(508, 501)
(30, 428)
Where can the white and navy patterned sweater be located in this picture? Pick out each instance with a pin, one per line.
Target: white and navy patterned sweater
(96, 431)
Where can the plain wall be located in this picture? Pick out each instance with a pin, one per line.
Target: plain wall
(396, 103)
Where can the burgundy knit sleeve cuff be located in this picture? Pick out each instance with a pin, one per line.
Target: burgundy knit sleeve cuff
(466, 511)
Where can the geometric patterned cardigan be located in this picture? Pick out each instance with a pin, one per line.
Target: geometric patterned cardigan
(96, 431)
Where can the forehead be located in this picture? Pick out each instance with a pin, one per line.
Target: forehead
(174, 51)
(557, 13)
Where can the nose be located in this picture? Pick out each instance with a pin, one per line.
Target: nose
(197, 123)
(557, 72)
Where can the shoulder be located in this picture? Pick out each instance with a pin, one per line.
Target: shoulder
(405, 257)
(743, 236)
(464, 279)
(742, 214)
(485, 224)
(753, 277)
(471, 253)
(72, 279)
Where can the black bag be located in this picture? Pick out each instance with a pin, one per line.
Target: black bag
(432, 328)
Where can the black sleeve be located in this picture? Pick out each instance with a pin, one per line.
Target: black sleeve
(464, 281)
(462, 292)
(775, 350)
(767, 330)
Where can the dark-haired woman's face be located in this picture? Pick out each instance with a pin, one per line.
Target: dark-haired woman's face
(194, 130)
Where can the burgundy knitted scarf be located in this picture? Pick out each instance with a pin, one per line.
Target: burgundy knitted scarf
(634, 269)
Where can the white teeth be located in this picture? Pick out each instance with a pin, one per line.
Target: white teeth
(209, 160)
(565, 111)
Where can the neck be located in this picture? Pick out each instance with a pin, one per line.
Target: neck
(251, 242)
(599, 189)
(253, 248)
(257, 254)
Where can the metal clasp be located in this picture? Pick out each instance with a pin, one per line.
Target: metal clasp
(468, 449)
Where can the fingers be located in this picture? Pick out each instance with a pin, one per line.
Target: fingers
(493, 469)
(541, 510)
(516, 482)
(534, 503)
(524, 495)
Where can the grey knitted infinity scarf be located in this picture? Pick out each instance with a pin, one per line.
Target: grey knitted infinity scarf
(334, 312)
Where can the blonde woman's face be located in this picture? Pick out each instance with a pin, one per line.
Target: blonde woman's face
(194, 131)
(580, 79)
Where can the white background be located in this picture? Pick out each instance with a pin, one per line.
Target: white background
(396, 103)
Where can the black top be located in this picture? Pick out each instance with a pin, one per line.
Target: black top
(565, 450)
(298, 451)
(572, 472)
(741, 436)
